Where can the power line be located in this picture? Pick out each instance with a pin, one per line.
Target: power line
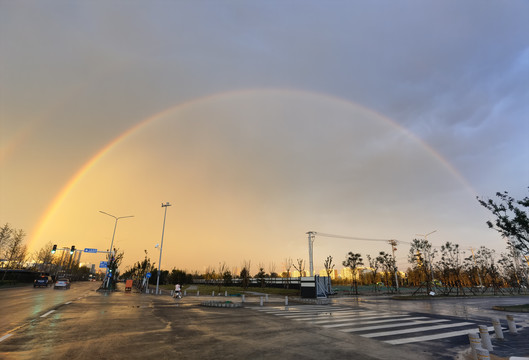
(357, 238)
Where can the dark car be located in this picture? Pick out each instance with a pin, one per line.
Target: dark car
(42, 281)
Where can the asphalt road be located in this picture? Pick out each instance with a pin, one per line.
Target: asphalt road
(22, 304)
(86, 324)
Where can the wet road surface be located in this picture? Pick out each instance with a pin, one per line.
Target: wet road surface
(138, 326)
(92, 325)
(25, 303)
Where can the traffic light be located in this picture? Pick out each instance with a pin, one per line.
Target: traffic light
(54, 249)
(72, 250)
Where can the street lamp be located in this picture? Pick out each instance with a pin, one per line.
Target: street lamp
(161, 247)
(114, 233)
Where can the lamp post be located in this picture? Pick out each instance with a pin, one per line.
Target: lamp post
(161, 247)
(111, 253)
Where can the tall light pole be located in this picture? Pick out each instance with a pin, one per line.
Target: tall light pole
(161, 247)
(311, 235)
(114, 233)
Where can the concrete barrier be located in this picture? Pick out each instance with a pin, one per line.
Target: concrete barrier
(483, 354)
(497, 328)
(486, 343)
(511, 324)
(475, 343)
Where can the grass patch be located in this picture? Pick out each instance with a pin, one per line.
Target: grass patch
(234, 290)
(513, 308)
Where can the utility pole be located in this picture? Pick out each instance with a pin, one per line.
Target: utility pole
(161, 247)
(311, 234)
(393, 244)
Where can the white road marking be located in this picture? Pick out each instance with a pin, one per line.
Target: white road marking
(68, 303)
(415, 329)
(400, 324)
(433, 337)
(49, 312)
(361, 319)
(5, 337)
(313, 316)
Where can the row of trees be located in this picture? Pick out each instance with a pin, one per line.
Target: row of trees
(14, 256)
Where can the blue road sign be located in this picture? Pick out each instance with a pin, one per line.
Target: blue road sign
(103, 264)
(88, 250)
(148, 275)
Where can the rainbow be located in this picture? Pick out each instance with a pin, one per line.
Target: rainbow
(52, 208)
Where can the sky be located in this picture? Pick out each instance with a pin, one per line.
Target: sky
(259, 121)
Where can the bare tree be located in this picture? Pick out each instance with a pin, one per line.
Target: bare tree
(288, 265)
(450, 267)
(373, 265)
(272, 269)
(245, 274)
(300, 266)
(5, 239)
(353, 261)
(14, 251)
(421, 256)
(44, 258)
(261, 275)
(329, 266)
(221, 271)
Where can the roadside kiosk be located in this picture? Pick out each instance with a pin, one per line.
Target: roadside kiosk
(128, 285)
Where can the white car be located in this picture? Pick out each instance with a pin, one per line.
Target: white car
(62, 284)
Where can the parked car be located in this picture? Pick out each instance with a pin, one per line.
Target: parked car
(62, 284)
(42, 281)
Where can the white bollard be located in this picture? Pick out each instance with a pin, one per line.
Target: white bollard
(213, 293)
(198, 293)
(146, 291)
(261, 302)
(266, 297)
(512, 324)
(475, 343)
(172, 292)
(485, 338)
(185, 292)
(483, 354)
(497, 328)
(225, 292)
(242, 297)
(286, 300)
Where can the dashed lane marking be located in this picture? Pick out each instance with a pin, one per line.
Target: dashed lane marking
(6, 336)
(49, 312)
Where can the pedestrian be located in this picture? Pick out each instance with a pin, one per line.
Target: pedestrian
(177, 290)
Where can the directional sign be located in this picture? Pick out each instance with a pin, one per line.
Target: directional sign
(103, 264)
(148, 275)
(88, 250)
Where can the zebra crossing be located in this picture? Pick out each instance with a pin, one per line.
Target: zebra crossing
(390, 327)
